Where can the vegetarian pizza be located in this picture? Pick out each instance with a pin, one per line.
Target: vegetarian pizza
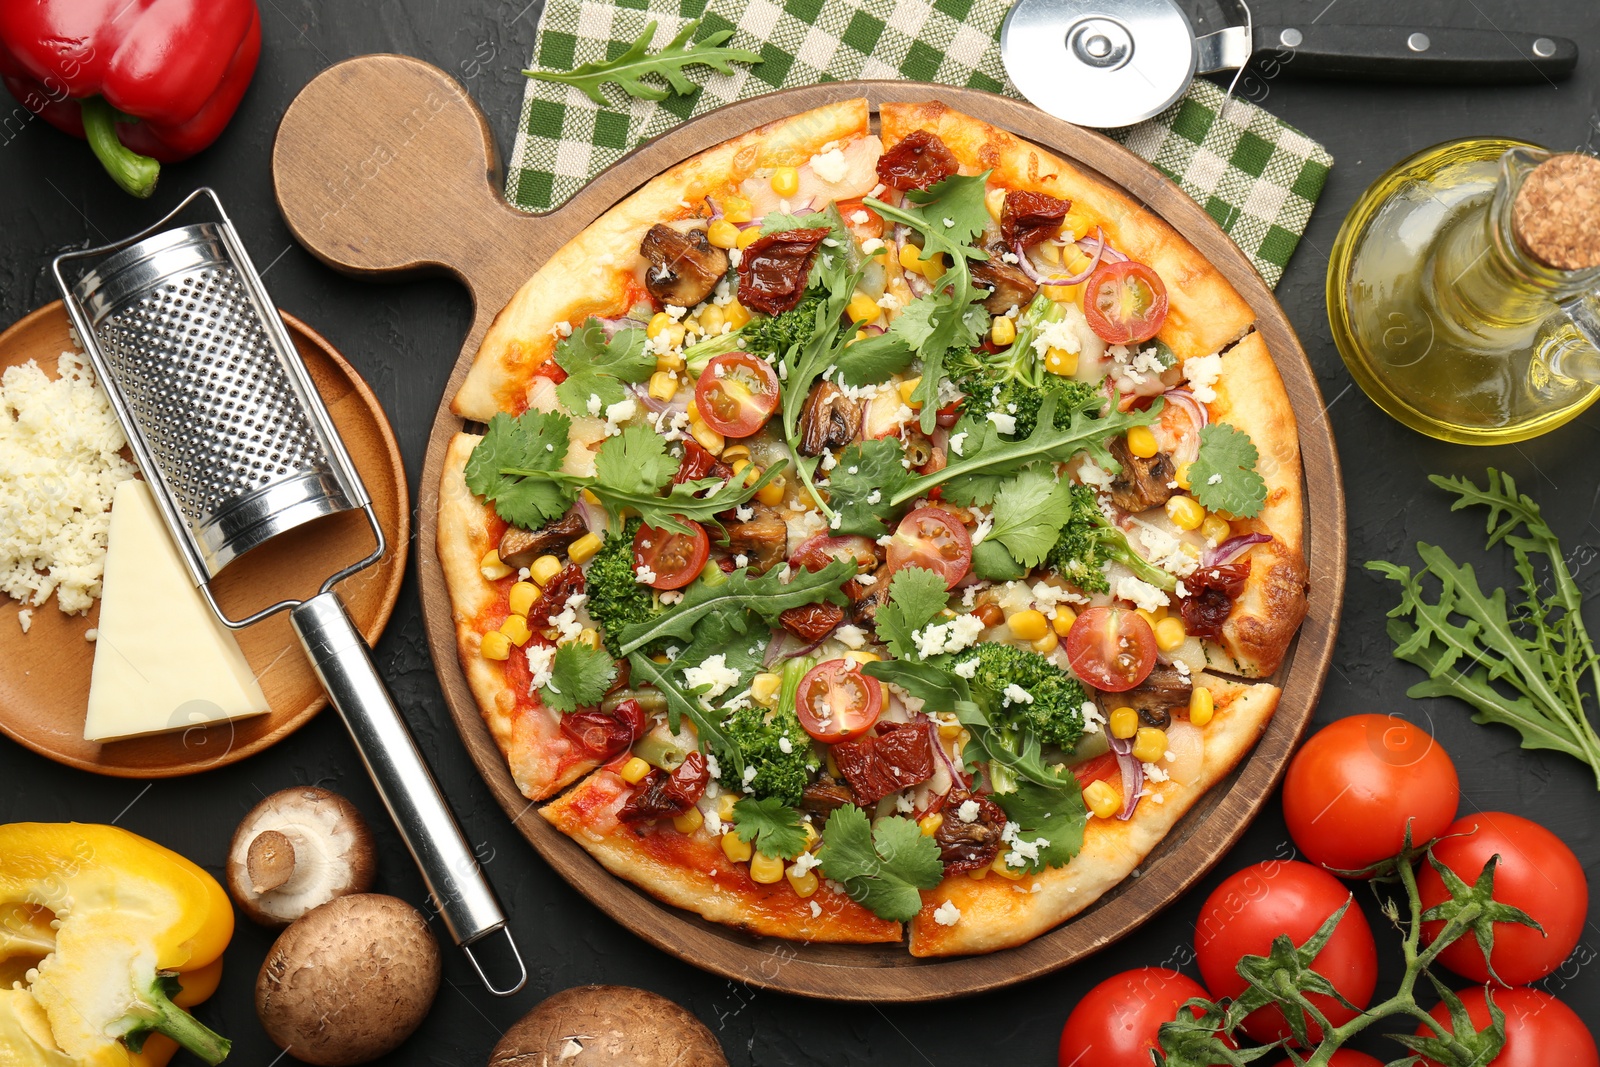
(874, 534)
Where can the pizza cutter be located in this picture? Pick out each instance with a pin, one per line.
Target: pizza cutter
(1112, 63)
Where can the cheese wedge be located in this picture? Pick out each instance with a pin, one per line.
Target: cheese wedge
(162, 661)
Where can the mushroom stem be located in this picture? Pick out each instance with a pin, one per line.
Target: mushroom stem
(270, 861)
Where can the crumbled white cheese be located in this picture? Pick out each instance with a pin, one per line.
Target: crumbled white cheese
(953, 636)
(1092, 719)
(716, 675)
(1010, 257)
(829, 461)
(1061, 334)
(541, 660)
(888, 301)
(860, 217)
(91, 635)
(903, 804)
(865, 580)
(1092, 474)
(595, 404)
(982, 530)
(871, 245)
(672, 596)
(1003, 423)
(1049, 597)
(1147, 361)
(1015, 694)
(803, 864)
(676, 312)
(966, 668)
(948, 222)
(1154, 773)
(1203, 372)
(968, 811)
(1141, 593)
(947, 914)
(618, 413)
(644, 575)
(830, 166)
(785, 745)
(874, 496)
(561, 329)
(849, 635)
(735, 257)
(25, 619)
(711, 766)
(1214, 479)
(741, 560)
(957, 440)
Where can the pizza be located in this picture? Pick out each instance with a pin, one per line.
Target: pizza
(875, 532)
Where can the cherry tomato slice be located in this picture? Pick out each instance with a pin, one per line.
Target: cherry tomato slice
(736, 394)
(675, 559)
(863, 228)
(933, 539)
(1112, 649)
(836, 702)
(1125, 302)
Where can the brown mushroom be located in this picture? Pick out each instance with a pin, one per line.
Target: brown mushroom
(828, 420)
(762, 539)
(519, 547)
(349, 981)
(608, 1026)
(1142, 483)
(1164, 691)
(1009, 287)
(684, 266)
(298, 849)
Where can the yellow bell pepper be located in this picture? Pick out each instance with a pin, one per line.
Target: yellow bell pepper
(104, 937)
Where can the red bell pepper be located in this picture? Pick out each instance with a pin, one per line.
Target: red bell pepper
(144, 81)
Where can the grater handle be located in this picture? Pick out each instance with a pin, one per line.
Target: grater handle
(462, 895)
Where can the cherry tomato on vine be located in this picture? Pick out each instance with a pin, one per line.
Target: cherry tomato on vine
(1125, 302)
(933, 539)
(1253, 906)
(1540, 1030)
(1352, 788)
(836, 702)
(675, 559)
(1117, 1022)
(1536, 872)
(1113, 649)
(736, 394)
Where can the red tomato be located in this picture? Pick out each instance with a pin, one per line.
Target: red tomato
(871, 226)
(1540, 1030)
(1345, 1057)
(1353, 787)
(1255, 905)
(933, 539)
(1537, 873)
(819, 551)
(1101, 768)
(1117, 1023)
(736, 393)
(552, 370)
(836, 702)
(675, 558)
(1125, 302)
(1112, 649)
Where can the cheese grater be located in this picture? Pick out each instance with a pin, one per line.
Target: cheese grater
(227, 427)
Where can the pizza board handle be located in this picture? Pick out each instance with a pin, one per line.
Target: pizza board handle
(384, 164)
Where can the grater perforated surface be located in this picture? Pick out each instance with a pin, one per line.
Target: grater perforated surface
(203, 380)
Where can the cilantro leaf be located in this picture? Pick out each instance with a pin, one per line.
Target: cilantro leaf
(579, 677)
(767, 596)
(534, 440)
(773, 826)
(597, 368)
(916, 597)
(861, 486)
(881, 868)
(1029, 511)
(1054, 814)
(635, 461)
(627, 70)
(953, 210)
(1224, 475)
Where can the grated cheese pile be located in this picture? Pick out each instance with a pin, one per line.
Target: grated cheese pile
(59, 469)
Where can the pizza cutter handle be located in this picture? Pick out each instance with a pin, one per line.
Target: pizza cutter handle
(1443, 55)
(460, 892)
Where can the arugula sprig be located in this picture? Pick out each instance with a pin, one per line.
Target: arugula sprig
(881, 867)
(579, 677)
(627, 71)
(1224, 475)
(683, 702)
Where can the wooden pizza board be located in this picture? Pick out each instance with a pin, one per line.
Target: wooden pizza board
(383, 164)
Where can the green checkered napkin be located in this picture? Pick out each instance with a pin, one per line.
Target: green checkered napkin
(1255, 175)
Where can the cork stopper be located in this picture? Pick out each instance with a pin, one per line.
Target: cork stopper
(1556, 216)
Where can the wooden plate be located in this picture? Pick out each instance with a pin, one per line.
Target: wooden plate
(367, 159)
(45, 686)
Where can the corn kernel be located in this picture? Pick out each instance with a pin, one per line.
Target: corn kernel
(1201, 706)
(749, 236)
(1076, 261)
(491, 566)
(1062, 623)
(1182, 476)
(1124, 723)
(949, 731)
(1149, 744)
(856, 655)
(705, 436)
(634, 770)
(979, 874)
(1000, 867)
(584, 548)
(516, 630)
(931, 268)
(663, 385)
(771, 494)
(543, 569)
(765, 869)
(862, 308)
(590, 498)
(722, 234)
(496, 645)
(995, 201)
(588, 636)
(803, 884)
(1065, 294)
(712, 319)
(929, 824)
(1142, 443)
(812, 837)
(725, 803)
(1003, 331)
(1215, 529)
(689, 821)
(737, 209)
(1073, 227)
(786, 181)
(764, 688)
(910, 259)
(1185, 512)
(1102, 799)
(524, 595)
(674, 334)
(1050, 252)
(658, 322)
(1046, 644)
(1060, 361)
(1028, 624)
(735, 848)
(1160, 612)
(670, 361)
(735, 452)
(1192, 551)
(1147, 616)
(906, 388)
(1170, 634)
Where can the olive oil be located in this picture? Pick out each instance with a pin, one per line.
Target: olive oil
(1442, 315)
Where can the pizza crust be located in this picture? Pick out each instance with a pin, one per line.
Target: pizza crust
(1204, 313)
(997, 912)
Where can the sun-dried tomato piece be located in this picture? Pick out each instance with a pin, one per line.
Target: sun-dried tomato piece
(898, 756)
(1212, 591)
(1031, 217)
(917, 161)
(812, 622)
(698, 463)
(557, 591)
(664, 796)
(601, 736)
(774, 269)
(969, 846)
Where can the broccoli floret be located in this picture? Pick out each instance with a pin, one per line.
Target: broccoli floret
(1056, 711)
(760, 734)
(1089, 541)
(616, 598)
(1014, 382)
(766, 336)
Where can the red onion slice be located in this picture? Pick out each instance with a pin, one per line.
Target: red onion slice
(1189, 447)
(1098, 245)
(716, 209)
(1032, 271)
(1232, 549)
(1132, 775)
(785, 645)
(594, 516)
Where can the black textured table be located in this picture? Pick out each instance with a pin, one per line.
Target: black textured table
(403, 338)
